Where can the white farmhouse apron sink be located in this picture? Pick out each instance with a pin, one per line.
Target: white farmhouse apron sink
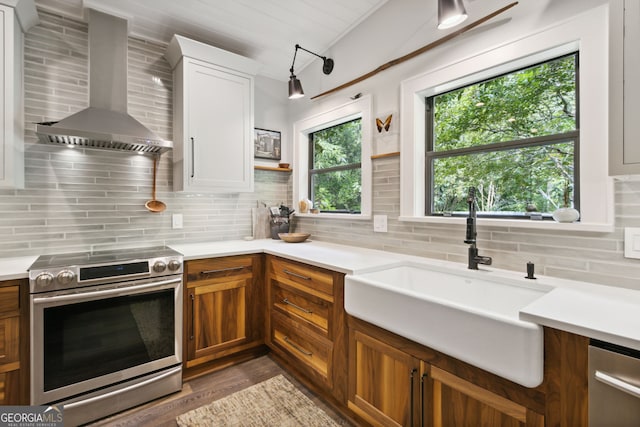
(470, 315)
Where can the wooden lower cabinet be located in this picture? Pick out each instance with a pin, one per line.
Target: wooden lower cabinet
(305, 322)
(453, 401)
(236, 304)
(382, 381)
(224, 300)
(14, 378)
(393, 382)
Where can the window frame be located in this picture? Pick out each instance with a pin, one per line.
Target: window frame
(537, 141)
(587, 33)
(315, 172)
(359, 108)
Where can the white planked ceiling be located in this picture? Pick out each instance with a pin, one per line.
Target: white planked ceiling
(264, 30)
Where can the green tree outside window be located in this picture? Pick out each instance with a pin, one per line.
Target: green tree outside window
(335, 178)
(514, 137)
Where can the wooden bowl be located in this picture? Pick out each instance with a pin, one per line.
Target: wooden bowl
(294, 237)
(283, 165)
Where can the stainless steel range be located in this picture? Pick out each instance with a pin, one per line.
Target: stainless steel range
(106, 330)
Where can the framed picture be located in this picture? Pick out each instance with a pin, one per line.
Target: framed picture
(266, 144)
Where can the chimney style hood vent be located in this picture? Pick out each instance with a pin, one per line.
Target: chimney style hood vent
(106, 123)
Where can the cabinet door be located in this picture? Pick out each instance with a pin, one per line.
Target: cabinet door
(11, 389)
(219, 115)
(382, 381)
(222, 298)
(11, 122)
(631, 150)
(459, 403)
(5, 98)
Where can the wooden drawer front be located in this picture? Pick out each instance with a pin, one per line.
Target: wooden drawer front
(310, 349)
(219, 315)
(312, 280)
(217, 269)
(9, 341)
(308, 309)
(9, 301)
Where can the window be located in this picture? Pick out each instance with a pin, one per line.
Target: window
(335, 178)
(333, 151)
(514, 137)
(489, 55)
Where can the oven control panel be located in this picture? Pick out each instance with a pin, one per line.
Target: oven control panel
(53, 278)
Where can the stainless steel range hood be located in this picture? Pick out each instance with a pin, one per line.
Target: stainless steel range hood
(106, 123)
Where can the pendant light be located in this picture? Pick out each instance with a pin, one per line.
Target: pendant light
(295, 87)
(450, 13)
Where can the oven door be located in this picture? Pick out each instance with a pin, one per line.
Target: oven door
(93, 337)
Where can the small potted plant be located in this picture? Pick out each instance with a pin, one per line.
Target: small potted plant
(566, 213)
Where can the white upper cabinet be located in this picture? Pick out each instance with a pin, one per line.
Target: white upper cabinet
(15, 18)
(624, 118)
(212, 118)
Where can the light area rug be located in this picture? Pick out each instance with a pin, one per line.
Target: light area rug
(274, 402)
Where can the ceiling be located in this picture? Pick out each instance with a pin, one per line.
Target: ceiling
(263, 30)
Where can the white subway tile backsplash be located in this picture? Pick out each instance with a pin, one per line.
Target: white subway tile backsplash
(592, 257)
(82, 199)
(78, 200)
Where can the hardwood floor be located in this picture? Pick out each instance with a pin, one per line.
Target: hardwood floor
(200, 391)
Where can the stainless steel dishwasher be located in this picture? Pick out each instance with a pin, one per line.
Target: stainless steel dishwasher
(614, 385)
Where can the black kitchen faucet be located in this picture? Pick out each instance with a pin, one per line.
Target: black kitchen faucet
(470, 239)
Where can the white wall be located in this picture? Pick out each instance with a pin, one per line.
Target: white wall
(398, 28)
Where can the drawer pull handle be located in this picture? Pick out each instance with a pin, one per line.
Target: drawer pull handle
(297, 347)
(221, 270)
(423, 379)
(299, 276)
(411, 398)
(193, 157)
(193, 316)
(302, 309)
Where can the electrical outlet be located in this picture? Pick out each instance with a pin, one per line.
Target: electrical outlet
(632, 242)
(380, 223)
(176, 221)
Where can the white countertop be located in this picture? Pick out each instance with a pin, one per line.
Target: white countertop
(603, 312)
(15, 268)
(341, 258)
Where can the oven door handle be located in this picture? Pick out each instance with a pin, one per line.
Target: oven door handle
(122, 390)
(616, 382)
(120, 291)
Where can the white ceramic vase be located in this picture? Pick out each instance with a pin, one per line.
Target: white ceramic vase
(566, 215)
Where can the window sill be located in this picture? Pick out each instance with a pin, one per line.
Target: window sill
(355, 217)
(517, 223)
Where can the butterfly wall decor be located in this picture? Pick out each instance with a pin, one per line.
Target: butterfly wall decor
(384, 125)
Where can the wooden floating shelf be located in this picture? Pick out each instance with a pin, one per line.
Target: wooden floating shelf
(382, 156)
(269, 168)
